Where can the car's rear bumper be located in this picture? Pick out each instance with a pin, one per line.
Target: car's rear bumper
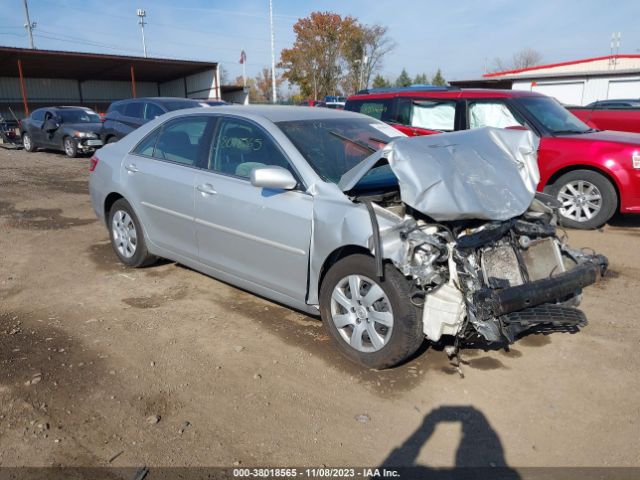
(492, 303)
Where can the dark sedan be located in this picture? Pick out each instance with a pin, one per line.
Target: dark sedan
(124, 116)
(73, 130)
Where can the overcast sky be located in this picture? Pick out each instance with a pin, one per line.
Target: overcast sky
(459, 36)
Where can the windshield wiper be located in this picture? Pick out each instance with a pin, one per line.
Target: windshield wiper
(570, 132)
(355, 142)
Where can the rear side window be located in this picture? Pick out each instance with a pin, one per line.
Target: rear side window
(134, 109)
(148, 144)
(116, 107)
(152, 111)
(492, 114)
(38, 115)
(428, 114)
(380, 108)
(184, 141)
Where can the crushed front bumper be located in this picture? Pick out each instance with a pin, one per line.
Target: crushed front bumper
(493, 303)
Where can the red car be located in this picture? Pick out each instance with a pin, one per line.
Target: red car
(593, 173)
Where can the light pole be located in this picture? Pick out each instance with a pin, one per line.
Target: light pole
(141, 14)
(273, 53)
(28, 25)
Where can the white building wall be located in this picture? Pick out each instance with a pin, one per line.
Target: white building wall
(204, 85)
(583, 91)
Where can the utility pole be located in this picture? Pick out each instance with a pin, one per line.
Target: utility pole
(28, 25)
(273, 54)
(141, 14)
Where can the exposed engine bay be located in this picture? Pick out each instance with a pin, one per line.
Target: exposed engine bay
(482, 262)
(494, 278)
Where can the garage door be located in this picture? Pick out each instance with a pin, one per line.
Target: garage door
(567, 93)
(624, 89)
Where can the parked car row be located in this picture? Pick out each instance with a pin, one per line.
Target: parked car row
(80, 130)
(592, 173)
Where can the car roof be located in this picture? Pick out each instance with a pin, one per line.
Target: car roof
(158, 99)
(278, 113)
(454, 93)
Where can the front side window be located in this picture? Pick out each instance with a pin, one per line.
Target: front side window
(553, 116)
(183, 141)
(241, 146)
(434, 114)
(492, 114)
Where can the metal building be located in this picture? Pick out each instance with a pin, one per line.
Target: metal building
(31, 79)
(578, 82)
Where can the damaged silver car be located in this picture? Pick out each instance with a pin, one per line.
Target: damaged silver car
(393, 240)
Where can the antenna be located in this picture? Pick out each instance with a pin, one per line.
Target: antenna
(141, 15)
(615, 49)
(29, 25)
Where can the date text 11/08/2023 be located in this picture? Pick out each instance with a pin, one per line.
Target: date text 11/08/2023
(314, 473)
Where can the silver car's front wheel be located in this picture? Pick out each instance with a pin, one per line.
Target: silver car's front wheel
(362, 313)
(370, 319)
(124, 234)
(581, 200)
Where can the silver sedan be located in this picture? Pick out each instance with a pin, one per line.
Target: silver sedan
(308, 207)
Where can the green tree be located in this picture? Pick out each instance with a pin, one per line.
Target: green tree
(421, 79)
(404, 80)
(438, 79)
(380, 82)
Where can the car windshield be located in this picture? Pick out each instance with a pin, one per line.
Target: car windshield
(553, 116)
(334, 146)
(78, 116)
(180, 104)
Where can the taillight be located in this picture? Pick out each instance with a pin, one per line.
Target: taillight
(93, 163)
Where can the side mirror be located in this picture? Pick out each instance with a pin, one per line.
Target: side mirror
(273, 177)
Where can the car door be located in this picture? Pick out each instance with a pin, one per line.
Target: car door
(159, 177)
(48, 138)
(34, 126)
(257, 234)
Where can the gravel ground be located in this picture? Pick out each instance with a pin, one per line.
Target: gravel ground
(102, 365)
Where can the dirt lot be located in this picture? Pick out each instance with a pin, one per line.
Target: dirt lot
(93, 353)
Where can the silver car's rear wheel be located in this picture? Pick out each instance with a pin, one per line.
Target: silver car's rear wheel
(127, 235)
(581, 200)
(362, 313)
(124, 234)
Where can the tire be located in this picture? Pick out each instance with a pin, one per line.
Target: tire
(70, 147)
(131, 250)
(28, 144)
(405, 334)
(589, 199)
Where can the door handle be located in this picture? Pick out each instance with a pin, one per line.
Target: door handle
(206, 189)
(132, 168)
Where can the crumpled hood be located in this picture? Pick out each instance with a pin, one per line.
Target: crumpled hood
(84, 127)
(485, 174)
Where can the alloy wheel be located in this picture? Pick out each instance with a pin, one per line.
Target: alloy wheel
(68, 147)
(361, 312)
(125, 236)
(581, 200)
